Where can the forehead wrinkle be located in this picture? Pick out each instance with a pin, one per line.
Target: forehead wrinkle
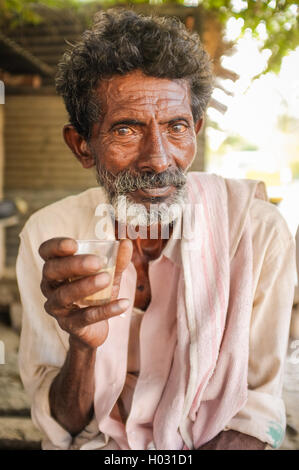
(119, 87)
(153, 108)
(153, 113)
(144, 94)
(160, 104)
(145, 98)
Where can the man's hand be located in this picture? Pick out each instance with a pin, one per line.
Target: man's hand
(86, 326)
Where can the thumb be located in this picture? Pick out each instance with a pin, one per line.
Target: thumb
(124, 256)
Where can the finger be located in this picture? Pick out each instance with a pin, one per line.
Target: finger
(69, 293)
(56, 312)
(56, 247)
(124, 257)
(45, 287)
(68, 267)
(91, 315)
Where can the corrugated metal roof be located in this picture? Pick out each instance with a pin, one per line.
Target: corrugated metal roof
(17, 60)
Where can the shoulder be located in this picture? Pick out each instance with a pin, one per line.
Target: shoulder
(63, 217)
(267, 220)
(86, 200)
(272, 242)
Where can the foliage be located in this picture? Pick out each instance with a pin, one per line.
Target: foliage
(274, 22)
(16, 12)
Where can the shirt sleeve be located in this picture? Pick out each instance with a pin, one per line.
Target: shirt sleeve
(263, 416)
(43, 349)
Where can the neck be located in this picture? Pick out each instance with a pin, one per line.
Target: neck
(149, 246)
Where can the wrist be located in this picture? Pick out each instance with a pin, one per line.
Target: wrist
(76, 345)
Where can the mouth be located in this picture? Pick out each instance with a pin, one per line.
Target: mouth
(156, 192)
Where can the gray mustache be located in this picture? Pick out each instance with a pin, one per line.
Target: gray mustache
(127, 181)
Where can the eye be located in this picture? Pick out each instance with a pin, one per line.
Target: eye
(178, 128)
(123, 131)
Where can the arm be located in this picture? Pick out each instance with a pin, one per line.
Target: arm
(71, 393)
(45, 351)
(261, 422)
(263, 416)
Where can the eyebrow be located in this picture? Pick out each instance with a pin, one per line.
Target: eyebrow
(179, 118)
(135, 122)
(128, 122)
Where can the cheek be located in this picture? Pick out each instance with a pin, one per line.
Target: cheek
(183, 150)
(116, 156)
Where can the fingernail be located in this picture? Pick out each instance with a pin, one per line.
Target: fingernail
(102, 278)
(94, 264)
(68, 244)
(99, 261)
(122, 304)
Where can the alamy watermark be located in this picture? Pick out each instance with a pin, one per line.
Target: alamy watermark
(136, 221)
(2, 92)
(2, 352)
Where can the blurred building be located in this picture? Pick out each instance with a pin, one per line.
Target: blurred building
(18, 68)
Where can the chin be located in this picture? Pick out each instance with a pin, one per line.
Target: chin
(149, 211)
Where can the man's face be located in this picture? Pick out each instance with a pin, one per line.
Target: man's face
(147, 135)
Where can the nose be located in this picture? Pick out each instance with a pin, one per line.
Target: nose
(154, 155)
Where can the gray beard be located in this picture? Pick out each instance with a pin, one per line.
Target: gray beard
(126, 211)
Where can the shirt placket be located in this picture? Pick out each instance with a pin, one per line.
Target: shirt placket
(157, 340)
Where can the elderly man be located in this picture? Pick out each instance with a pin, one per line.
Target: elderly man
(196, 360)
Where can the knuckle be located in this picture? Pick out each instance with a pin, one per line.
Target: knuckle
(46, 269)
(43, 287)
(42, 249)
(81, 321)
(105, 312)
(58, 313)
(60, 296)
(93, 315)
(86, 317)
(45, 248)
(48, 308)
(64, 324)
(76, 322)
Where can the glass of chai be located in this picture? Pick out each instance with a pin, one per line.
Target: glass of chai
(107, 250)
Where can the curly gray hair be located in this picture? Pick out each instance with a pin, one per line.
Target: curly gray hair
(122, 41)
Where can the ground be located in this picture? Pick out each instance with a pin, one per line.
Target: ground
(16, 428)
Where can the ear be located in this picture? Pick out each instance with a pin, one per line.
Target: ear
(198, 125)
(78, 146)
